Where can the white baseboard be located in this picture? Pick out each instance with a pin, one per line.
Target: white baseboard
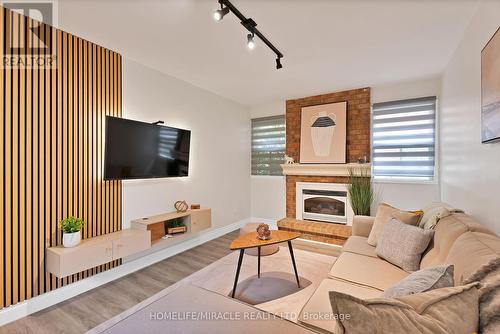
(51, 298)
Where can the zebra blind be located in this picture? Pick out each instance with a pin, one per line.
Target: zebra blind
(403, 139)
(268, 145)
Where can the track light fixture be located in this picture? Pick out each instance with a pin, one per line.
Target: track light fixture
(250, 41)
(249, 24)
(278, 63)
(220, 13)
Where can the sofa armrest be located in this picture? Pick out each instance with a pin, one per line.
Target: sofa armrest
(362, 225)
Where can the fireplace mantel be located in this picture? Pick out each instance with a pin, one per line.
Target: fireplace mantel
(323, 169)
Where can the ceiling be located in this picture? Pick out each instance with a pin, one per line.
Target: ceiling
(327, 45)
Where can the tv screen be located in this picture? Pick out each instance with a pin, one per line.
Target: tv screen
(138, 150)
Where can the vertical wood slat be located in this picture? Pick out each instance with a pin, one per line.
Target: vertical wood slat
(15, 170)
(35, 171)
(2, 169)
(51, 152)
(29, 175)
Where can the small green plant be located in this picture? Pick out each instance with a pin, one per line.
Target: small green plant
(175, 223)
(360, 191)
(71, 224)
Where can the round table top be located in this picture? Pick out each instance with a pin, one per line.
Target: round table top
(250, 240)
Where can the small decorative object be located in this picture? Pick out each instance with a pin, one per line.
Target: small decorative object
(360, 191)
(176, 226)
(289, 160)
(323, 133)
(362, 160)
(71, 228)
(263, 232)
(195, 206)
(181, 206)
(490, 90)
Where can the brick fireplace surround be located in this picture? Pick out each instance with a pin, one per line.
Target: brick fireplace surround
(358, 146)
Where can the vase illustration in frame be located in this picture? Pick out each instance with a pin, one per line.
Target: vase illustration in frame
(323, 133)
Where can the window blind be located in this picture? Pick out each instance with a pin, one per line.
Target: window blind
(268, 145)
(403, 139)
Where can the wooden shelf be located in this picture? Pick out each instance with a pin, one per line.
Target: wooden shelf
(162, 218)
(195, 221)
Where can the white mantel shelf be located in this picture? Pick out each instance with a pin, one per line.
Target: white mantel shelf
(323, 169)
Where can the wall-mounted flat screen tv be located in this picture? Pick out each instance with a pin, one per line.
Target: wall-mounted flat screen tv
(138, 150)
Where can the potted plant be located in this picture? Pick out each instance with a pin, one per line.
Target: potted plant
(71, 228)
(360, 191)
(176, 226)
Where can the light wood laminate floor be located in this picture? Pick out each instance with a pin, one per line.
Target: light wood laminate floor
(83, 312)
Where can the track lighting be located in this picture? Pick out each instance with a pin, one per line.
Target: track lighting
(278, 63)
(220, 13)
(250, 42)
(250, 25)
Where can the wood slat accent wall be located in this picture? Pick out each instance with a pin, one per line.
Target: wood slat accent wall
(52, 151)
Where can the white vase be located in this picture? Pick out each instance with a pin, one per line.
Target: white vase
(322, 131)
(322, 140)
(71, 239)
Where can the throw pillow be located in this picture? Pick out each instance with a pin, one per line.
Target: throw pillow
(402, 244)
(446, 310)
(385, 212)
(489, 296)
(421, 281)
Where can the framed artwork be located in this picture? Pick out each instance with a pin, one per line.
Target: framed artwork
(490, 90)
(323, 133)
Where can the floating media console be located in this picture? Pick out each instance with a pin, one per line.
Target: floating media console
(95, 251)
(195, 220)
(145, 236)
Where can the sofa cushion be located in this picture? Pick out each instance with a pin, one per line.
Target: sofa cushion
(359, 245)
(403, 244)
(317, 312)
(446, 232)
(489, 296)
(366, 270)
(436, 311)
(422, 281)
(362, 225)
(470, 252)
(385, 212)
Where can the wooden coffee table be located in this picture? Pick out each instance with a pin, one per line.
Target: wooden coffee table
(251, 240)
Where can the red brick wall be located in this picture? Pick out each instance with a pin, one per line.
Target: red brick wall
(358, 134)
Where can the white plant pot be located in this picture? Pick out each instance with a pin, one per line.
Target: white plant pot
(71, 239)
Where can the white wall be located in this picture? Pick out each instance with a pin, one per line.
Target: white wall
(407, 195)
(470, 170)
(268, 192)
(219, 171)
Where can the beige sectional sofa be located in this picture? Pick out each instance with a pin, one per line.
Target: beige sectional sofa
(358, 271)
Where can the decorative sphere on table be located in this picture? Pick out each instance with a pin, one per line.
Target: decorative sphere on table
(263, 232)
(181, 206)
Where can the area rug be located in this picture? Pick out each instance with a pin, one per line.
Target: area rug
(279, 296)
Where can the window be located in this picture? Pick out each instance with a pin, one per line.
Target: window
(268, 145)
(404, 140)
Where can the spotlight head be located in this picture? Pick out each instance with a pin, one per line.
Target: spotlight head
(278, 63)
(250, 41)
(220, 13)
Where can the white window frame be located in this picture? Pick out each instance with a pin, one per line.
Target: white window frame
(436, 178)
(252, 150)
